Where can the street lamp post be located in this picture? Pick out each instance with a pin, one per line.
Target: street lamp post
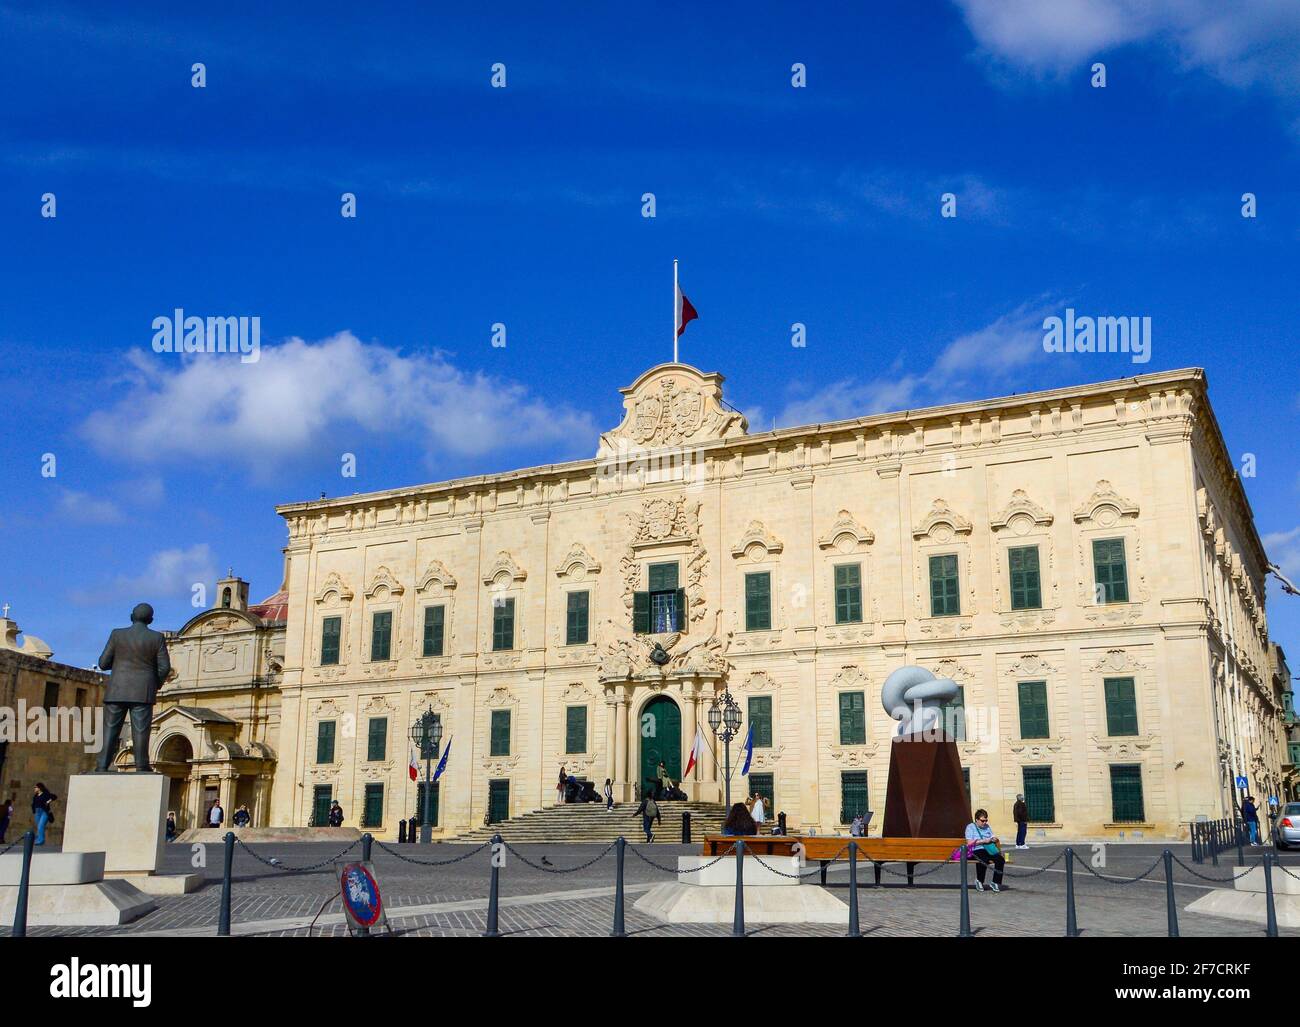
(426, 734)
(724, 721)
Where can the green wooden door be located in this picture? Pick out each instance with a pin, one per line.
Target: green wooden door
(498, 801)
(661, 739)
(321, 797)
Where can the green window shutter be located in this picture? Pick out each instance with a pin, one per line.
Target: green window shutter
(330, 629)
(760, 720)
(433, 803)
(325, 741)
(377, 742)
(945, 598)
(1110, 570)
(758, 601)
(1033, 709)
(500, 733)
(576, 618)
(372, 812)
(381, 636)
(1121, 706)
(503, 624)
(662, 577)
(575, 729)
(434, 626)
(641, 613)
(1040, 796)
(321, 797)
(853, 719)
(1127, 803)
(1026, 586)
(848, 593)
(680, 611)
(853, 794)
(954, 715)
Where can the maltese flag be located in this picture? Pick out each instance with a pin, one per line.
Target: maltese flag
(414, 768)
(696, 750)
(685, 312)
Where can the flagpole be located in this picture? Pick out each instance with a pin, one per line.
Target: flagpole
(674, 311)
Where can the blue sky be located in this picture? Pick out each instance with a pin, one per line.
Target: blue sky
(522, 206)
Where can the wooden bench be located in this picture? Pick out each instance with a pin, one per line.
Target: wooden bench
(826, 849)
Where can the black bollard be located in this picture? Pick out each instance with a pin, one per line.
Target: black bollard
(20, 907)
(1071, 923)
(1196, 843)
(223, 923)
(1214, 843)
(1240, 830)
(686, 827)
(963, 931)
(493, 892)
(1170, 904)
(618, 931)
(367, 841)
(738, 921)
(401, 832)
(854, 932)
(1271, 910)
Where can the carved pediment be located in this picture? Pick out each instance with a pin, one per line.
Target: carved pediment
(1105, 505)
(941, 517)
(504, 570)
(846, 534)
(577, 563)
(383, 581)
(1020, 509)
(757, 543)
(334, 583)
(436, 577)
(673, 405)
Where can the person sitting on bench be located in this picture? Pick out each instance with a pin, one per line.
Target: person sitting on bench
(982, 844)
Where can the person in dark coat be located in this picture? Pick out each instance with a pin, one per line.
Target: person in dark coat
(1250, 814)
(42, 797)
(336, 814)
(1020, 814)
(648, 811)
(6, 816)
(171, 827)
(138, 664)
(739, 823)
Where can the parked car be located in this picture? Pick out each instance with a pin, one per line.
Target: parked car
(1286, 831)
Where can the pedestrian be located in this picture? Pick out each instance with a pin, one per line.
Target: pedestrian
(661, 777)
(242, 817)
(216, 815)
(982, 843)
(42, 798)
(6, 815)
(559, 788)
(171, 827)
(858, 826)
(648, 811)
(609, 795)
(1250, 814)
(336, 814)
(1020, 814)
(739, 823)
(759, 812)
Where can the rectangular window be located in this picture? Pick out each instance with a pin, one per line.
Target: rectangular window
(764, 785)
(1033, 709)
(1121, 707)
(760, 720)
(1127, 805)
(1110, 570)
(758, 601)
(435, 623)
(372, 812)
(325, 741)
(51, 696)
(321, 797)
(954, 715)
(498, 801)
(945, 599)
(1040, 796)
(503, 623)
(575, 729)
(377, 742)
(500, 733)
(433, 803)
(853, 794)
(576, 618)
(330, 629)
(1026, 590)
(381, 636)
(848, 593)
(81, 698)
(853, 719)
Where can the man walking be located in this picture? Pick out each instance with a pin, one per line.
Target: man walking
(137, 662)
(648, 811)
(1250, 814)
(1020, 814)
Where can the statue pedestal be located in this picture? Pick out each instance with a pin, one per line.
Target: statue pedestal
(926, 797)
(121, 815)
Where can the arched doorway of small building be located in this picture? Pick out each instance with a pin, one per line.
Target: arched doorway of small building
(660, 729)
(174, 756)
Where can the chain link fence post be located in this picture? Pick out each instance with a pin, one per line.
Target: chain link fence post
(228, 862)
(1170, 904)
(854, 931)
(1270, 929)
(20, 906)
(963, 930)
(1071, 922)
(738, 921)
(493, 891)
(619, 931)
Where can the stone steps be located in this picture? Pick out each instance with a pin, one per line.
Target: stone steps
(589, 822)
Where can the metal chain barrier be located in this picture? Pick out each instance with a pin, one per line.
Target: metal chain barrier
(1284, 870)
(8, 847)
(673, 870)
(1119, 880)
(296, 870)
(781, 873)
(918, 873)
(1215, 880)
(1034, 871)
(557, 870)
(431, 862)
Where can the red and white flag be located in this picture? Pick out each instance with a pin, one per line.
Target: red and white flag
(414, 768)
(685, 312)
(696, 751)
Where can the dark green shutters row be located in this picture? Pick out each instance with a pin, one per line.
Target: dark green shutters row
(663, 606)
(503, 623)
(372, 811)
(760, 720)
(381, 636)
(576, 618)
(433, 804)
(435, 623)
(575, 729)
(1040, 796)
(321, 797)
(758, 601)
(1121, 706)
(500, 733)
(1033, 709)
(1026, 589)
(945, 598)
(330, 629)
(325, 741)
(377, 741)
(853, 794)
(1110, 570)
(1127, 805)
(853, 719)
(848, 593)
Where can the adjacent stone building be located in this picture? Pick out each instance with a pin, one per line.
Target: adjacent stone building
(1082, 561)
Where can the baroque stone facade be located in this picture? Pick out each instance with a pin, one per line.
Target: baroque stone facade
(1067, 676)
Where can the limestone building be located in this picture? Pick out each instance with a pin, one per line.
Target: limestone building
(1082, 561)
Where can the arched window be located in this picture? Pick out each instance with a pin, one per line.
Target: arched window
(225, 597)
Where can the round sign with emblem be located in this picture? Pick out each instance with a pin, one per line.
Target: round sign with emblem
(361, 894)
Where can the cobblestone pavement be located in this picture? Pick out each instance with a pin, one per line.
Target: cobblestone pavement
(542, 900)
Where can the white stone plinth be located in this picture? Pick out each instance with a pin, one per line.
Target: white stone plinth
(710, 904)
(1253, 881)
(721, 873)
(53, 868)
(101, 904)
(120, 815)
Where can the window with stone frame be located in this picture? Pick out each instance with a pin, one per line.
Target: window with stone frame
(848, 593)
(435, 624)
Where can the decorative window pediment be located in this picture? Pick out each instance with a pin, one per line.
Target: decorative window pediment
(1105, 506)
(435, 577)
(504, 566)
(1021, 510)
(384, 580)
(846, 534)
(577, 563)
(942, 518)
(757, 543)
(334, 583)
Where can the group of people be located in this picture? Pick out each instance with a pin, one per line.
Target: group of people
(242, 818)
(42, 812)
(746, 818)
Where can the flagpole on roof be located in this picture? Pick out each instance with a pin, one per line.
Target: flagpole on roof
(675, 333)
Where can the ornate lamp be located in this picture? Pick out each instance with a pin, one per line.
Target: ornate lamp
(724, 721)
(426, 735)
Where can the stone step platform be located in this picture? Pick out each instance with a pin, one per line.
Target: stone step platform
(590, 823)
(262, 835)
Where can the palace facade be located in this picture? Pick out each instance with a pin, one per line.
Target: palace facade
(1082, 561)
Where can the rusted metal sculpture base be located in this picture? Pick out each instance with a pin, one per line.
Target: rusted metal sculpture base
(926, 796)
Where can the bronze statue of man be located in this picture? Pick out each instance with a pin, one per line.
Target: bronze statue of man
(137, 661)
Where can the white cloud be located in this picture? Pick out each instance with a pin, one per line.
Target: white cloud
(82, 506)
(1283, 549)
(304, 397)
(169, 574)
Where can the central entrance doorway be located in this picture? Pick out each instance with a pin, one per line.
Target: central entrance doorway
(661, 739)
